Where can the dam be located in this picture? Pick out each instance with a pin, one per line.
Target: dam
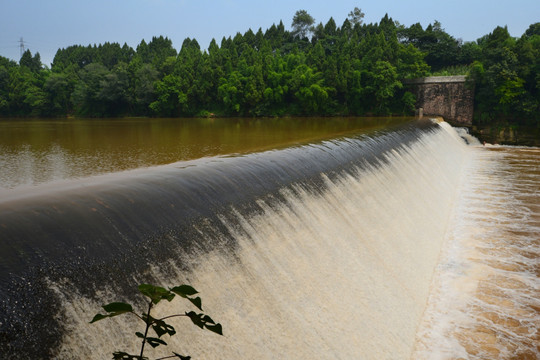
(408, 242)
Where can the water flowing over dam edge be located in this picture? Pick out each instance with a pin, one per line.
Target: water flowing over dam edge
(323, 250)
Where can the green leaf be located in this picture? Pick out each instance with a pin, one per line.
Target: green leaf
(98, 317)
(114, 309)
(196, 301)
(208, 319)
(215, 328)
(205, 321)
(155, 342)
(156, 293)
(139, 335)
(182, 357)
(196, 318)
(162, 328)
(184, 290)
(148, 319)
(117, 307)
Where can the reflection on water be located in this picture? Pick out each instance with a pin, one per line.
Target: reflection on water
(486, 303)
(39, 151)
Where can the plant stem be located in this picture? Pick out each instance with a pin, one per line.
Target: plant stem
(148, 322)
(171, 316)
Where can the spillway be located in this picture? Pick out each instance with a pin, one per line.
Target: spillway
(327, 250)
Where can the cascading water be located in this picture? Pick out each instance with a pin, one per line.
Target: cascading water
(322, 251)
(486, 298)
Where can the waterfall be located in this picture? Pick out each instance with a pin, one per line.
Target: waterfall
(325, 250)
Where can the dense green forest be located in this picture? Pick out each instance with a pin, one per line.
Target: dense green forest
(324, 69)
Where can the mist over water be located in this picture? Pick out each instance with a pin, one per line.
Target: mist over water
(373, 246)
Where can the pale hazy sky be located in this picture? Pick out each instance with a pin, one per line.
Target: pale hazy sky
(47, 25)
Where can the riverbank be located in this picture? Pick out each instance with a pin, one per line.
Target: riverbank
(504, 133)
(517, 135)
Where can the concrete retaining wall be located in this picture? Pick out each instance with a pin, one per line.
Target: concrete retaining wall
(447, 96)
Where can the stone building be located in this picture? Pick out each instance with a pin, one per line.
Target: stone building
(448, 96)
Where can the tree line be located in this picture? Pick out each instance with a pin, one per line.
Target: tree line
(313, 69)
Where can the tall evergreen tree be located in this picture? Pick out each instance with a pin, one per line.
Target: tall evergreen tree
(302, 24)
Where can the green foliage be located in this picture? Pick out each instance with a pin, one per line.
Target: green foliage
(271, 73)
(302, 24)
(353, 69)
(409, 101)
(442, 50)
(170, 98)
(356, 16)
(155, 295)
(32, 63)
(411, 64)
(453, 70)
(506, 77)
(142, 89)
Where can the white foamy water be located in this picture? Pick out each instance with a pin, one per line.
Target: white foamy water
(429, 251)
(485, 302)
(340, 274)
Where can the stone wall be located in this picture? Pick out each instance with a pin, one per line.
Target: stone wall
(508, 134)
(446, 96)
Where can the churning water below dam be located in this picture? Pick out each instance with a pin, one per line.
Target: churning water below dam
(414, 242)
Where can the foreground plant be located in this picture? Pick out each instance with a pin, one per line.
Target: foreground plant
(155, 294)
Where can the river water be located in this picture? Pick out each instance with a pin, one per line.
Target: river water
(308, 238)
(40, 151)
(486, 298)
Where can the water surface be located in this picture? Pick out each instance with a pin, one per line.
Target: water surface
(38, 151)
(486, 298)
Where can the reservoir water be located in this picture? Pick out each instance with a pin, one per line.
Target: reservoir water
(308, 238)
(43, 150)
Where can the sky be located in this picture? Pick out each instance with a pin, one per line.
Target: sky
(47, 25)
